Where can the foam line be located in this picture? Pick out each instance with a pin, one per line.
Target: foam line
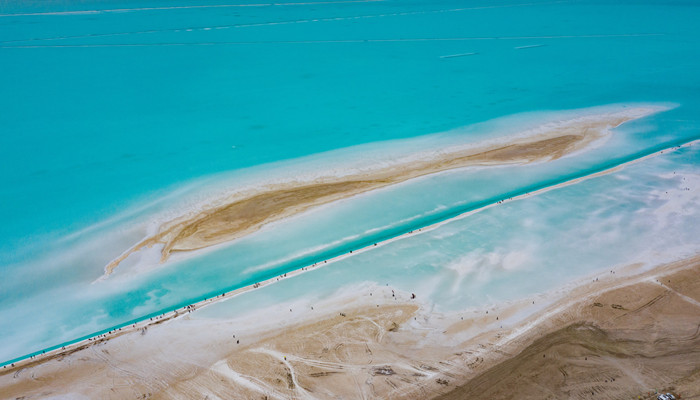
(528, 47)
(126, 10)
(299, 21)
(459, 55)
(454, 39)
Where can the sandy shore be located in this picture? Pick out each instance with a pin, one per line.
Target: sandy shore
(630, 339)
(244, 213)
(619, 334)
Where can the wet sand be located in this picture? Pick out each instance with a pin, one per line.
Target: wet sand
(621, 335)
(245, 213)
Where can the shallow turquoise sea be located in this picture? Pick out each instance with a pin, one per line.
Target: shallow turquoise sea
(114, 114)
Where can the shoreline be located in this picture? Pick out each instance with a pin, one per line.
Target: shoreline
(577, 311)
(155, 319)
(246, 212)
(407, 336)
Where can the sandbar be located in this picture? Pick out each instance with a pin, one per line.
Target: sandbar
(245, 213)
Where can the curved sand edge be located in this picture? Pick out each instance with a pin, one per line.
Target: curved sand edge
(245, 213)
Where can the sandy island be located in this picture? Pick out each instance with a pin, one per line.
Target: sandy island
(245, 213)
(623, 333)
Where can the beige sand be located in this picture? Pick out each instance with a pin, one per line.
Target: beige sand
(625, 343)
(245, 213)
(621, 336)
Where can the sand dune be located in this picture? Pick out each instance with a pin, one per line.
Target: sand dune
(245, 213)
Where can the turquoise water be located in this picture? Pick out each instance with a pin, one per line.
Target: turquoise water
(641, 214)
(118, 114)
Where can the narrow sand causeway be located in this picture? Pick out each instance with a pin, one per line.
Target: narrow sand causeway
(245, 213)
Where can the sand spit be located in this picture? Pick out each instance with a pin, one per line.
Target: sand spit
(619, 334)
(244, 213)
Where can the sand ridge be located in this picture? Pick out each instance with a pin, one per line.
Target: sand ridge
(247, 213)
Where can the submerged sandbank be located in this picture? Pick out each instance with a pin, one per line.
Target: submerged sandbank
(244, 213)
